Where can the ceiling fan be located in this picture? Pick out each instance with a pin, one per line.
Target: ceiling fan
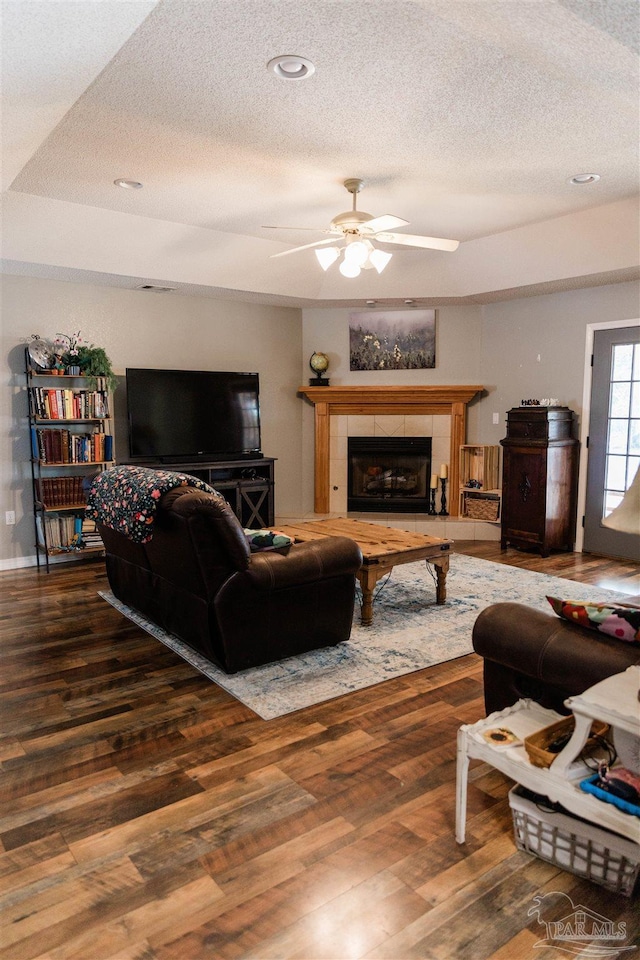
(358, 229)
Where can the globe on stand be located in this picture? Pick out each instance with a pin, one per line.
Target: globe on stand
(319, 363)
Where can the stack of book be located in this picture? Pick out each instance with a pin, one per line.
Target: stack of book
(89, 534)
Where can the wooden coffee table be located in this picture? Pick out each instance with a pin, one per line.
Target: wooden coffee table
(382, 549)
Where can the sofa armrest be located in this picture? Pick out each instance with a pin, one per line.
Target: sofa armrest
(304, 563)
(524, 642)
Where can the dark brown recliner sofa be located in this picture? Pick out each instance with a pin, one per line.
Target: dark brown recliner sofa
(196, 578)
(530, 654)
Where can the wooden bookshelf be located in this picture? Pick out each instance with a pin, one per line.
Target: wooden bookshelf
(71, 440)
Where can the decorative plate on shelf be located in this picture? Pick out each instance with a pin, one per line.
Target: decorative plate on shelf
(41, 352)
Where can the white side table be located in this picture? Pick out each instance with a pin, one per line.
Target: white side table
(614, 700)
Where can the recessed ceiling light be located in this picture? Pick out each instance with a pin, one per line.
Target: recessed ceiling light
(128, 184)
(291, 67)
(582, 178)
(409, 303)
(370, 303)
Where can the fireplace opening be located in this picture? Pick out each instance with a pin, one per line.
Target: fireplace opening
(389, 474)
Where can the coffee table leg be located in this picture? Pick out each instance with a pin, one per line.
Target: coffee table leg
(368, 580)
(442, 568)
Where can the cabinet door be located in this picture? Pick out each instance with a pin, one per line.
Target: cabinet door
(524, 503)
(256, 506)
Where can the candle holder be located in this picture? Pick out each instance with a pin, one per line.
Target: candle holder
(443, 498)
(432, 512)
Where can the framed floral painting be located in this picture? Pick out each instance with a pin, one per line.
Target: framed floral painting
(392, 340)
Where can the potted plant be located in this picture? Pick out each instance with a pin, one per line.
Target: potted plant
(94, 363)
(65, 347)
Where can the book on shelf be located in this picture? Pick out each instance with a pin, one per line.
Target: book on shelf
(63, 446)
(61, 532)
(35, 450)
(60, 491)
(49, 403)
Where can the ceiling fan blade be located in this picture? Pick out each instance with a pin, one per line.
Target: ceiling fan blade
(385, 222)
(429, 243)
(318, 243)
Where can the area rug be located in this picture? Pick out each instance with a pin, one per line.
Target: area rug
(410, 632)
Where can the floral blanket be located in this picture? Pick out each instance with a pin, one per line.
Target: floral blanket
(126, 498)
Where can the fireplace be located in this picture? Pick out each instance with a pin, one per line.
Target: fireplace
(389, 474)
(410, 400)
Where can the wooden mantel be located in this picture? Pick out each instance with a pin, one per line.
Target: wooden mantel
(405, 401)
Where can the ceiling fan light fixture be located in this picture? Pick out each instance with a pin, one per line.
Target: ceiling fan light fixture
(327, 256)
(291, 67)
(354, 228)
(349, 269)
(379, 259)
(357, 252)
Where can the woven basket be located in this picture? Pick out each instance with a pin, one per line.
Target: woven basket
(569, 842)
(481, 508)
(537, 744)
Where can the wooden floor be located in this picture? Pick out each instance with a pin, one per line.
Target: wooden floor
(147, 814)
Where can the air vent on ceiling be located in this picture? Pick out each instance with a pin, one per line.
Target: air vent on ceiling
(154, 288)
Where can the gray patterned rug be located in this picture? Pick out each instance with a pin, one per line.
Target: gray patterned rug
(410, 632)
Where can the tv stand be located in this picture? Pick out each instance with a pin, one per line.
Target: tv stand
(247, 484)
(207, 460)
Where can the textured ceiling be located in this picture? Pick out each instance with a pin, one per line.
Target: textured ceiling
(464, 118)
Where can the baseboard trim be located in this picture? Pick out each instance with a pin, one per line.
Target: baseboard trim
(20, 563)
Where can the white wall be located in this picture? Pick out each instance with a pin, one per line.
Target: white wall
(458, 360)
(553, 328)
(496, 345)
(146, 330)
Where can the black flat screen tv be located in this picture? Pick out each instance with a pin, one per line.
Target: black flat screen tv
(186, 415)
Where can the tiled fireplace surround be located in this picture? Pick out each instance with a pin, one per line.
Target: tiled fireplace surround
(438, 426)
(343, 427)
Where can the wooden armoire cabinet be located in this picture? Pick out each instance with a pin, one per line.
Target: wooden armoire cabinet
(539, 479)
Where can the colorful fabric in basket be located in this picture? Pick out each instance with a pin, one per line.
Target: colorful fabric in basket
(126, 498)
(590, 786)
(267, 540)
(619, 621)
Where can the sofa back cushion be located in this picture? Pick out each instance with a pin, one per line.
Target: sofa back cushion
(197, 542)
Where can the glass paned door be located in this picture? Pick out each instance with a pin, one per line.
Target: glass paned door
(614, 438)
(623, 424)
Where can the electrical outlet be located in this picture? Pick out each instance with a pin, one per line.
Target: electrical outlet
(10, 517)
(496, 418)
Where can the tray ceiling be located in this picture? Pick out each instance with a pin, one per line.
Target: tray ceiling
(466, 119)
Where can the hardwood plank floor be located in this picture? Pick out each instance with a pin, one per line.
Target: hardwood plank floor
(146, 814)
